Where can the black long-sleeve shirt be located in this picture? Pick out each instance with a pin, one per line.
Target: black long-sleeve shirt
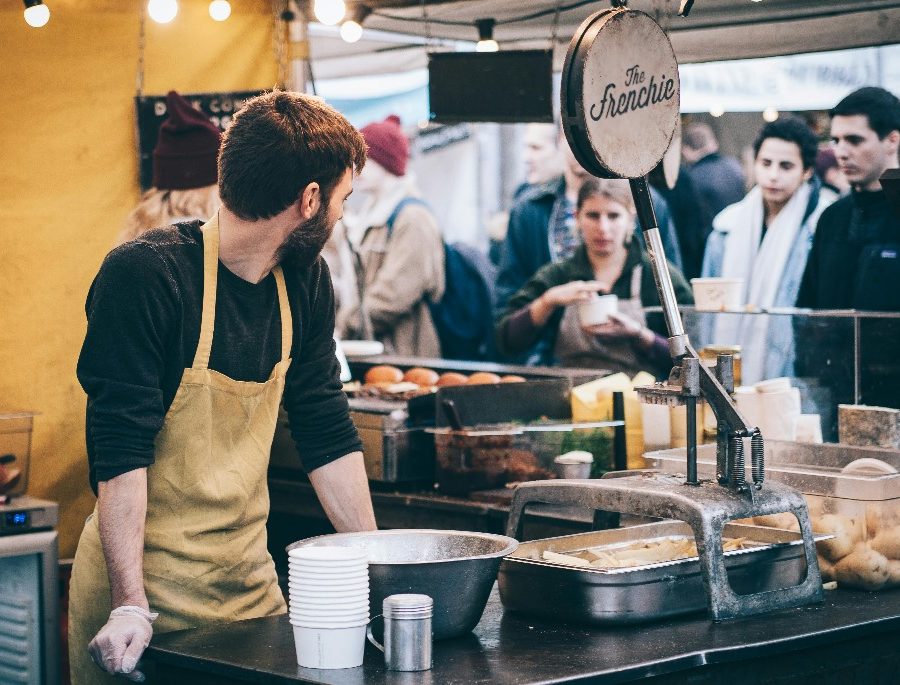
(832, 276)
(143, 313)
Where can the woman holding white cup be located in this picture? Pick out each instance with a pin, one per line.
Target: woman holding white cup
(587, 310)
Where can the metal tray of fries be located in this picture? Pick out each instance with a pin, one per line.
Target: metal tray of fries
(643, 587)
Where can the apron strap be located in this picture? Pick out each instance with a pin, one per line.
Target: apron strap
(284, 305)
(210, 232)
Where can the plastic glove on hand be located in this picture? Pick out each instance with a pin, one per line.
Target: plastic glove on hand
(121, 642)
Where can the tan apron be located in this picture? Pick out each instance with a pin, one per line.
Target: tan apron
(576, 348)
(205, 555)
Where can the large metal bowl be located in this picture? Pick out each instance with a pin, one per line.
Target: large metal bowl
(455, 568)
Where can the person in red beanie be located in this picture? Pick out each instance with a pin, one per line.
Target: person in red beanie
(184, 172)
(401, 251)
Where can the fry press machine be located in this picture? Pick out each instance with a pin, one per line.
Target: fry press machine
(620, 108)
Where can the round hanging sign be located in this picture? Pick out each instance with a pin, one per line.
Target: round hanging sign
(620, 94)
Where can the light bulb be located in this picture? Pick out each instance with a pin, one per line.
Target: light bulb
(220, 10)
(329, 12)
(487, 46)
(351, 31)
(717, 111)
(770, 114)
(162, 11)
(37, 16)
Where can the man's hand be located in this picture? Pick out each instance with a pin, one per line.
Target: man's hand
(120, 643)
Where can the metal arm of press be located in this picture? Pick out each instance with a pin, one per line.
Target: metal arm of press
(690, 379)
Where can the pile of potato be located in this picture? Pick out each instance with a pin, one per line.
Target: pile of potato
(865, 550)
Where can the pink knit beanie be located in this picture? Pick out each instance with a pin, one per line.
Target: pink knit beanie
(387, 144)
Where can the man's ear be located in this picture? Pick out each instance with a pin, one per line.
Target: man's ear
(893, 138)
(310, 200)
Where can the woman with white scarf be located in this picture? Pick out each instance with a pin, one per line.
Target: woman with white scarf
(765, 239)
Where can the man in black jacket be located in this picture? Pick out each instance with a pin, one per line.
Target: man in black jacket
(854, 261)
(856, 236)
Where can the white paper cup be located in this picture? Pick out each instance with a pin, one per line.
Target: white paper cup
(324, 588)
(717, 294)
(333, 593)
(325, 621)
(328, 555)
(781, 384)
(329, 571)
(597, 309)
(330, 648)
(330, 606)
(305, 605)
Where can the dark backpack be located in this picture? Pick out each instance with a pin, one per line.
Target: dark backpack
(464, 315)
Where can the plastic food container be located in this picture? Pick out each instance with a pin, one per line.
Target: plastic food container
(847, 496)
(15, 452)
(717, 294)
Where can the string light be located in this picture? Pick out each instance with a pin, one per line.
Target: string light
(486, 42)
(770, 114)
(220, 10)
(329, 12)
(37, 14)
(351, 30)
(162, 11)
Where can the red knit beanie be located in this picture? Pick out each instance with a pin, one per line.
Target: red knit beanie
(387, 144)
(186, 150)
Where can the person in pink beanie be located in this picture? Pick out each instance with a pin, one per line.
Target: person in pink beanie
(184, 172)
(400, 249)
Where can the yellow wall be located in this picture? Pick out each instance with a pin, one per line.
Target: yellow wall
(68, 177)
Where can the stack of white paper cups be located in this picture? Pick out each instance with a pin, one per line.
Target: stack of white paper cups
(329, 605)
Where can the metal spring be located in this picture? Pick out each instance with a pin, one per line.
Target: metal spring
(758, 458)
(738, 478)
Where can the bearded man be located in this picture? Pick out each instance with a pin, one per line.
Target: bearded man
(196, 333)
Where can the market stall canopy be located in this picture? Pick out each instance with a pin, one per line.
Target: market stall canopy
(397, 30)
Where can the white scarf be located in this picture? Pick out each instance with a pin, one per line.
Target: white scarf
(761, 265)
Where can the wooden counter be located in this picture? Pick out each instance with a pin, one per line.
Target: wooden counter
(852, 637)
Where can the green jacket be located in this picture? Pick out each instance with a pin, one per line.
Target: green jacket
(578, 268)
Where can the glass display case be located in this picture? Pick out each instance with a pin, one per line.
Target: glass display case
(832, 356)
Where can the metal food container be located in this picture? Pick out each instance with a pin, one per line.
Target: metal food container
(642, 593)
(395, 450)
(860, 506)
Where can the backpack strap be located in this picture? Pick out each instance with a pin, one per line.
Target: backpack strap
(406, 201)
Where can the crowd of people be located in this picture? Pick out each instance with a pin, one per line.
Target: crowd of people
(813, 230)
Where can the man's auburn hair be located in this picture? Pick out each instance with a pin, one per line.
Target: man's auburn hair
(277, 144)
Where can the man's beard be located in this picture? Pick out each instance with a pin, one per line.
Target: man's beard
(305, 243)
